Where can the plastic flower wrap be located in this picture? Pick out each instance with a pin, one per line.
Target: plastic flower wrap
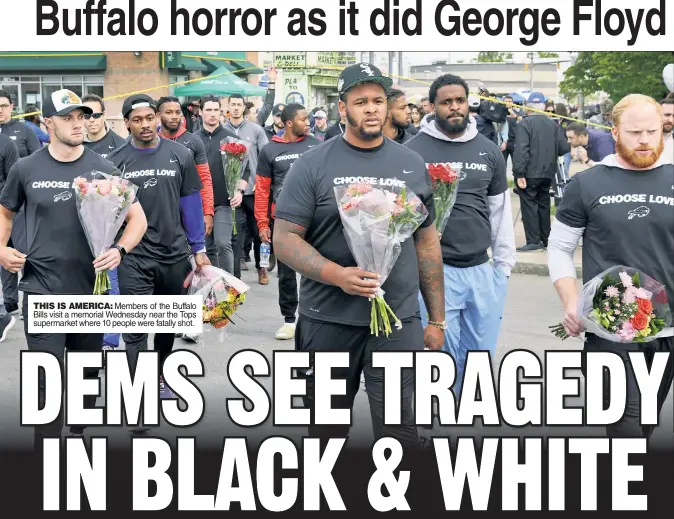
(624, 305)
(445, 180)
(103, 201)
(222, 295)
(234, 153)
(377, 220)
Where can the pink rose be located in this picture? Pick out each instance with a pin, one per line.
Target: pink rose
(104, 187)
(79, 181)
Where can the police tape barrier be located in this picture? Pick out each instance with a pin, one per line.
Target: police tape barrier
(330, 67)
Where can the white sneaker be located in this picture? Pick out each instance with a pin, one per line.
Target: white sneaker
(191, 338)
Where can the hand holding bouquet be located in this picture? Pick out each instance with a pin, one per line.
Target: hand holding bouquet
(376, 223)
(624, 305)
(103, 202)
(234, 154)
(445, 189)
(222, 294)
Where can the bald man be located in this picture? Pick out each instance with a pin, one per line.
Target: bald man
(619, 228)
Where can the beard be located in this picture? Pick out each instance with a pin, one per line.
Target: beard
(667, 128)
(297, 132)
(452, 128)
(365, 133)
(633, 158)
(72, 142)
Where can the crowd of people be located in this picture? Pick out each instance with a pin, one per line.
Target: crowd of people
(448, 291)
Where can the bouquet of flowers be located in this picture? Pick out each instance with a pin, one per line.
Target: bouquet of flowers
(222, 294)
(624, 305)
(234, 154)
(103, 201)
(445, 189)
(376, 223)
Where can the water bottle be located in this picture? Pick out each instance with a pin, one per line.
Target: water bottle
(265, 251)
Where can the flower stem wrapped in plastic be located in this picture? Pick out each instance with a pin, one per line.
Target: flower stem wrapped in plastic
(103, 201)
(235, 157)
(445, 180)
(222, 295)
(376, 223)
(624, 305)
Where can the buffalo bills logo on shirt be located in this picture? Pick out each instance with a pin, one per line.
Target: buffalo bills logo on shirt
(639, 212)
(150, 183)
(62, 197)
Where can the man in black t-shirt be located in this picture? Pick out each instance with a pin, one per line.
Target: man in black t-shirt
(170, 194)
(58, 260)
(480, 219)
(623, 208)
(275, 161)
(334, 294)
(9, 154)
(99, 137)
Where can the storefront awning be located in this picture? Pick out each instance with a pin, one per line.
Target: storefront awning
(51, 61)
(222, 82)
(179, 61)
(246, 67)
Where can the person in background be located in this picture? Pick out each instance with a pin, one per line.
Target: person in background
(267, 105)
(590, 146)
(255, 138)
(561, 111)
(484, 127)
(508, 144)
(276, 158)
(604, 117)
(398, 118)
(415, 119)
(591, 210)
(540, 141)
(34, 122)
(99, 137)
(219, 243)
(337, 129)
(426, 106)
(320, 128)
(250, 112)
(276, 126)
(26, 143)
(9, 155)
(667, 127)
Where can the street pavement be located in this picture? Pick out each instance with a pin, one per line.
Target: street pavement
(532, 305)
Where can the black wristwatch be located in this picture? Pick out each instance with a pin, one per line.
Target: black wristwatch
(242, 191)
(122, 250)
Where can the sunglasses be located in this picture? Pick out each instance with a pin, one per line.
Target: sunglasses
(97, 115)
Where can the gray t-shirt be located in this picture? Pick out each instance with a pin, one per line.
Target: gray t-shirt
(628, 218)
(308, 199)
(467, 235)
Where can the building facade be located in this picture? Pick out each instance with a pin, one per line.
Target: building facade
(30, 76)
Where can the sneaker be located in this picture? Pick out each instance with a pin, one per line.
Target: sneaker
(6, 324)
(190, 338)
(530, 247)
(272, 263)
(243, 264)
(12, 308)
(165, 392)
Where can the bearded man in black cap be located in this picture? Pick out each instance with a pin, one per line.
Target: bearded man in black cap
(309, 238)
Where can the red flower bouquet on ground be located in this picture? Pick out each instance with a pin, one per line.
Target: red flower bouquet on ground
(445, 189)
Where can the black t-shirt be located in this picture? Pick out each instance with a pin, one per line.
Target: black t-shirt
(277, 157)
(9, 154)
(59, 260)
(628, 218)
(308, 199)
(107, 144)
(467, 235)
(195, 145)
(334, 131)
(164, 175)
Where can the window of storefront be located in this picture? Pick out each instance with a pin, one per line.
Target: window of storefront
(29, 90)
(173, 79)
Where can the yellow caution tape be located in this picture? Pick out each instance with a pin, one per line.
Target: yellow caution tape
(178, 83)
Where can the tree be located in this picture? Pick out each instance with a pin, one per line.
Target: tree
(617, 73)
(493, 57)
(547, 55)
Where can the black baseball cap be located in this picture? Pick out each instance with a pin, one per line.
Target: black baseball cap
(278, 109)
(137, 101)
(362, 73)
(62, 102)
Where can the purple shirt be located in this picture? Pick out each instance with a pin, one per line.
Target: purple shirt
(599, 145)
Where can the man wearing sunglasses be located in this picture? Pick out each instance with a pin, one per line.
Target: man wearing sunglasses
(99, 137)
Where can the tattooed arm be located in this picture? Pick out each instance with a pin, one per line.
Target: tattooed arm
(431, 274)
(291, 249)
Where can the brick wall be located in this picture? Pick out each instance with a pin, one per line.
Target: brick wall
(127, 73)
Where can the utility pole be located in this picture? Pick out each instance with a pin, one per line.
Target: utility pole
(531, 71)
(401, 71)
(390, 63)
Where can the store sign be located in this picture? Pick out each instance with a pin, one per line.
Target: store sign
(324, 81)
(335, 59)
(295, 87)
(290, 59)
